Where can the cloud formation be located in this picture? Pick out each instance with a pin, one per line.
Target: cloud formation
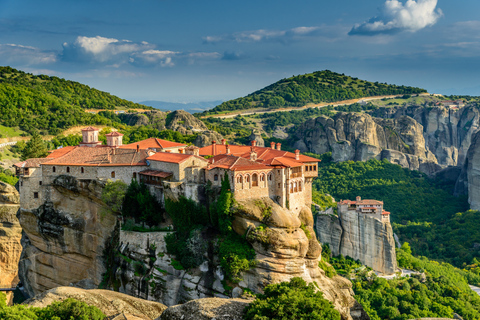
(396, 16)
(100, 50)
(275, 35)
(25, 55)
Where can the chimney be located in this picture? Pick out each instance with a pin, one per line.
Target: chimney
(253, 155)
(297, 154)
(138, 148)
(272, 145)
(227, 147)
(223, 141)
(279, 146)
(254, 143)
(359, 198)
(180, 150)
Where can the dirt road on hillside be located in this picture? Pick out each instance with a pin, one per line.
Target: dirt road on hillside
(318, 105)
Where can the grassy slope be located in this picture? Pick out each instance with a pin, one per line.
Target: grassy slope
(316, 87)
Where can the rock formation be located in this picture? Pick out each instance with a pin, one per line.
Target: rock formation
(257, 137)
(206, 137)
(10, 236)
(359, 137)
(207, 309)
(112, 304)
(64, 238)
(360, 237)
(469, 179)
(184, 122)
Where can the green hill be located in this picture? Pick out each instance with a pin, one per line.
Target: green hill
(316, 87)
(51, 104)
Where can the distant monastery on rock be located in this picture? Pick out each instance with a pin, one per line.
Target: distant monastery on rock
(254, 172)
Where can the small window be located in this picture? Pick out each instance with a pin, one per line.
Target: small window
(82, 170)
(306, 168)
(35, 195)
(215, 177)
(21, 183)
(40, 183)
(112, 174)
(68, 169)
(135, 175)
(54, 169)
(314, 168)
(270, 177)
(279, 185)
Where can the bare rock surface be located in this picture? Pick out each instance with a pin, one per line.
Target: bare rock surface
(469, 179)
(205, 138)
(10, 237)
(112, 304)
(65, 237)
(360, 237)
(207, 309)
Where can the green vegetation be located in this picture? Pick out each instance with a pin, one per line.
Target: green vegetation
(8, 177)
(193, 222)
(68, 309)
(316, 87)
(34, 148)
(291, 300)
(114, 194)
(424, 211)
(140, 205)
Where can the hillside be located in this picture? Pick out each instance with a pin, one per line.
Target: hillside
(316, 87)
(50, 104)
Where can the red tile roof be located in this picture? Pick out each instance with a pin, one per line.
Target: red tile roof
(385, 212)
(171, 157)
(32, 163)
(362, 202)
(156, 173)
(60, 152)
(105, 156)
(114, 134)
(153, 143)
(90, 129)
(235, 163)
(267, 156)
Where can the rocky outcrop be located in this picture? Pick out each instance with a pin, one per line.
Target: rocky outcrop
(257, 137)
(184, 122)
(360, 237)
(10, 236)
(112, 304)
(447, 131)
(207, 309)
(205, 138)
(64, 239)
(360, 137)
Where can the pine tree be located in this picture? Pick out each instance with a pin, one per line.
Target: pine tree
(35, 148)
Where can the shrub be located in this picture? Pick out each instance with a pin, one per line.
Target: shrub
(291, 300)
(70, 309)
(113, 194)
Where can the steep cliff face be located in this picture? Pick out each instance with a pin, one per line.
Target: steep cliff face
(284, 249)
(447, 131)
(65, 237)
(360, 237)
(10, 236)
(359, 137)
(469, 179)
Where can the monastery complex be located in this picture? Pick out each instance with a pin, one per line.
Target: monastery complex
(253, 171)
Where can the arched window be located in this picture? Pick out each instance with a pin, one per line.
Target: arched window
(215, 177)
(112, 174)
(295, 187)
(291, 187)
(262, 177)
(68, 169)
(239, 179)
(270, 177)
(254, 180)
(82, 170)
(54, 169)
(300, 186)
(247, 178)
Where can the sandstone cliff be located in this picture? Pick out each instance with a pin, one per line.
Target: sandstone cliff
(360, 237)
(359, 137)
(469, 179)
(10, 236)
(65, 237)
(114, 305)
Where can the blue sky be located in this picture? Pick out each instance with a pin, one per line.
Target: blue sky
(207, 50)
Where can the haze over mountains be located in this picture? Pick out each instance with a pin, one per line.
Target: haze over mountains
(192, 107)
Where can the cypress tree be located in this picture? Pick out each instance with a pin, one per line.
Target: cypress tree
(35, 148)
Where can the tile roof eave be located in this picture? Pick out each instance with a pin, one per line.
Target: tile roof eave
(96, 164)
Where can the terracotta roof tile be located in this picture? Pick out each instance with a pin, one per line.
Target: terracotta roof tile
(90, 129)
(114, 134)
(32, 163)
(153, 143)
(105, 156)
(156, 173)
(170, 157)
(60, 152)
(235, 163)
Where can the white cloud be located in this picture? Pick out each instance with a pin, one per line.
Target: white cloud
(395, 16)
(25, 55)
(153, 57)
(328, 32)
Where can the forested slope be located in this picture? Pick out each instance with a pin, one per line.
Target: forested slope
(51, 104)
(316, 87)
